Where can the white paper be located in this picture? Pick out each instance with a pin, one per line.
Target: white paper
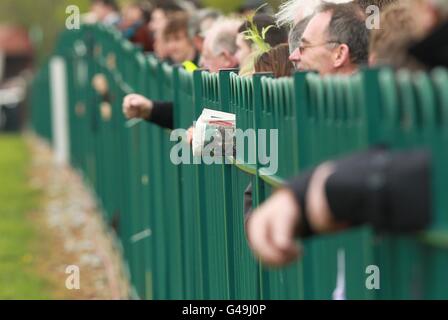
(209, 119)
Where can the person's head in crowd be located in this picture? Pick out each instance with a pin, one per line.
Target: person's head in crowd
(399, 29)
(274, 36)
(105, 11)
(160, 15)
(132, 14)
(201, 21)
(335, 40)
(431, 13)
(296, 14)
(431, 50)
(135, 17)
(275, 61)
(220, 45)
(179, 45)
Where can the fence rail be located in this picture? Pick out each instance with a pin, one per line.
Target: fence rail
(181, 227)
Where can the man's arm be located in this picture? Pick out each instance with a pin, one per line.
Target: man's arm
(138, 106)
(389, 190)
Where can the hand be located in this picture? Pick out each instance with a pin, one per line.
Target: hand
(137, 106)
(271, 229)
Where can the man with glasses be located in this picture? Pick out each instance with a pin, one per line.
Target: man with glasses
(334, 41)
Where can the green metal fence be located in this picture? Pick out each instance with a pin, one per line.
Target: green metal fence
(181, 227)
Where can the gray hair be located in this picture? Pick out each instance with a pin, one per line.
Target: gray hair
(222, 35)
(296, 33)
(348, 26)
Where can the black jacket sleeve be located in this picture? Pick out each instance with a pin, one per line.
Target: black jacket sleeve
(389, 190)
(162, 114)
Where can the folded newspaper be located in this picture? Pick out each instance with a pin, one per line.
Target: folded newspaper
(214, 127)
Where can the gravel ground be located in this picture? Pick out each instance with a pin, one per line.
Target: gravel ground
(73, 232)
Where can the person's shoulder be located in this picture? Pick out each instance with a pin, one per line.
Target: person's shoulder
(432, 50)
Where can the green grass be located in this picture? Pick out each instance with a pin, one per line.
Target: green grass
(18, 277)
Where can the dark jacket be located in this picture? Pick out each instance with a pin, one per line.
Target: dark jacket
(433, 50)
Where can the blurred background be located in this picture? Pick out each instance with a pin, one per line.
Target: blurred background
(28, 31)
(33, 251)
(42, 20)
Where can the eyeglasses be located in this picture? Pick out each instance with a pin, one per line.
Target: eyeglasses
(302, 46)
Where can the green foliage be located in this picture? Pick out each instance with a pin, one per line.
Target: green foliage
(17, 278)
(253, 34)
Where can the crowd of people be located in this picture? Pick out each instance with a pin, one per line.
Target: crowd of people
(328, 37)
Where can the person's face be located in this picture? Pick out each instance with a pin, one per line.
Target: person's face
(132, 14)
(315, 51)
(99, 10)
(243, 49)
(179, 47)
(158, 21)
(215, 62)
